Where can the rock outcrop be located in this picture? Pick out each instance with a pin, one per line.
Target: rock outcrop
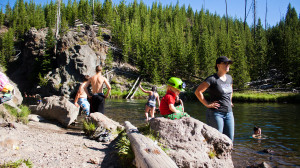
(78, 52)
(56, 108)
(101, 120)
(193, 143)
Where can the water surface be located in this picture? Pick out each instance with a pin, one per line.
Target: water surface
(280, 122)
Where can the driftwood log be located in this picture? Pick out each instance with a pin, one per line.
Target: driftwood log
(147, 153)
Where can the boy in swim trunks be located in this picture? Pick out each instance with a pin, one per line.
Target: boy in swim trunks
(81, 97)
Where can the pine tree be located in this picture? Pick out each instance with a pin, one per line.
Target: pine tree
(8, 15)
(7, 47)
(21, 19)
(44, 62)
(1, 18)
(107, 11)
(239, 68)
(259, 60)
(291, 44)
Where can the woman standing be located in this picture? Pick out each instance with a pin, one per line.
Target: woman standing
(219, 86)
(151, 103)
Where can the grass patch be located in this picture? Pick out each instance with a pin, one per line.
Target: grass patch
(21, 116)
(88, 128)
(265, 97)
(17, 164)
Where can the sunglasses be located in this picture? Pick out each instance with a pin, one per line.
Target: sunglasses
(182, 86)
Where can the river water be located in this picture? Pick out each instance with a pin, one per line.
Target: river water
(279, 122)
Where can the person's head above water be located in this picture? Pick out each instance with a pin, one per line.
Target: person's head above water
(257, 130)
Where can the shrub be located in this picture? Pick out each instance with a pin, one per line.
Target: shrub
(125, 151)
(21, 116)
(17, 163)
(88, 128)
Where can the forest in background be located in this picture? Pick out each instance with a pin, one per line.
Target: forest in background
(164, 41)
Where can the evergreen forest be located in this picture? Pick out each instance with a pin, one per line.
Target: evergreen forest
(164, 41)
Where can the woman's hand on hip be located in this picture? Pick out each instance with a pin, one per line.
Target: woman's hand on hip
(214, 105)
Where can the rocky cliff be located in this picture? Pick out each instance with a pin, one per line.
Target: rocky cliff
(78, 52)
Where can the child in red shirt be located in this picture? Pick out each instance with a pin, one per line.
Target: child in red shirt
(167, 108)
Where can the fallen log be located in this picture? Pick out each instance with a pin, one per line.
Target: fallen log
(147, 153)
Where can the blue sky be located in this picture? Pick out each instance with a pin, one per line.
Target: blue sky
(276, 8)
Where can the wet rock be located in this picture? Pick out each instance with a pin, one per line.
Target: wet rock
(193, 143)
(262, 165)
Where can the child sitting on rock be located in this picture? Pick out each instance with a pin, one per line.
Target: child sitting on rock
(167, 108)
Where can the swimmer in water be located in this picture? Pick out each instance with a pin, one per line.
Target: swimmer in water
(257, 133)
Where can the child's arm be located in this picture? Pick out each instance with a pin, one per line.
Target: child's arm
(85, 88)
(173, 109)
(145, 91)
(77, 96)
(158, 101)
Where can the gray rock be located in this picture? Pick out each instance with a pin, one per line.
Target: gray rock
(193, 143)
(56, 108)
(101, 120)
(35, 118)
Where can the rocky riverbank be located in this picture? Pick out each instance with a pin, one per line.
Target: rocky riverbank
(48, 145)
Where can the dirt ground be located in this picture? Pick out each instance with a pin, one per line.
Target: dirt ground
(48, 145)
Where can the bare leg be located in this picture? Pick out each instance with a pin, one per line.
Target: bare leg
(147, 108)
(152, 110)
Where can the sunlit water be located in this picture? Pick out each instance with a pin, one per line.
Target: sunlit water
(280, 122)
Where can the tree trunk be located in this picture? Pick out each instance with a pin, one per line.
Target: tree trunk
(133, 87)
(226, 16)
(254, 15)
(266, 14)
(147, 153)
(245, 14)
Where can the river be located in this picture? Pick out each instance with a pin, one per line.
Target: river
(279, 122)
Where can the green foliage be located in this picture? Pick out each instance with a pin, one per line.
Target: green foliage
(43, 81)
(17, 164)
(88, 128)
(212, 154)
(7, 47)
(125, 151)
(109, 58)
(21, 116)
(116, 92)
(1, 17)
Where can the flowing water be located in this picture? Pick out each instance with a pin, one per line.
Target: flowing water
(279, 122)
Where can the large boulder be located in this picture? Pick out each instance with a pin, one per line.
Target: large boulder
(101, 120)
(193, 143)
(56, 108)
